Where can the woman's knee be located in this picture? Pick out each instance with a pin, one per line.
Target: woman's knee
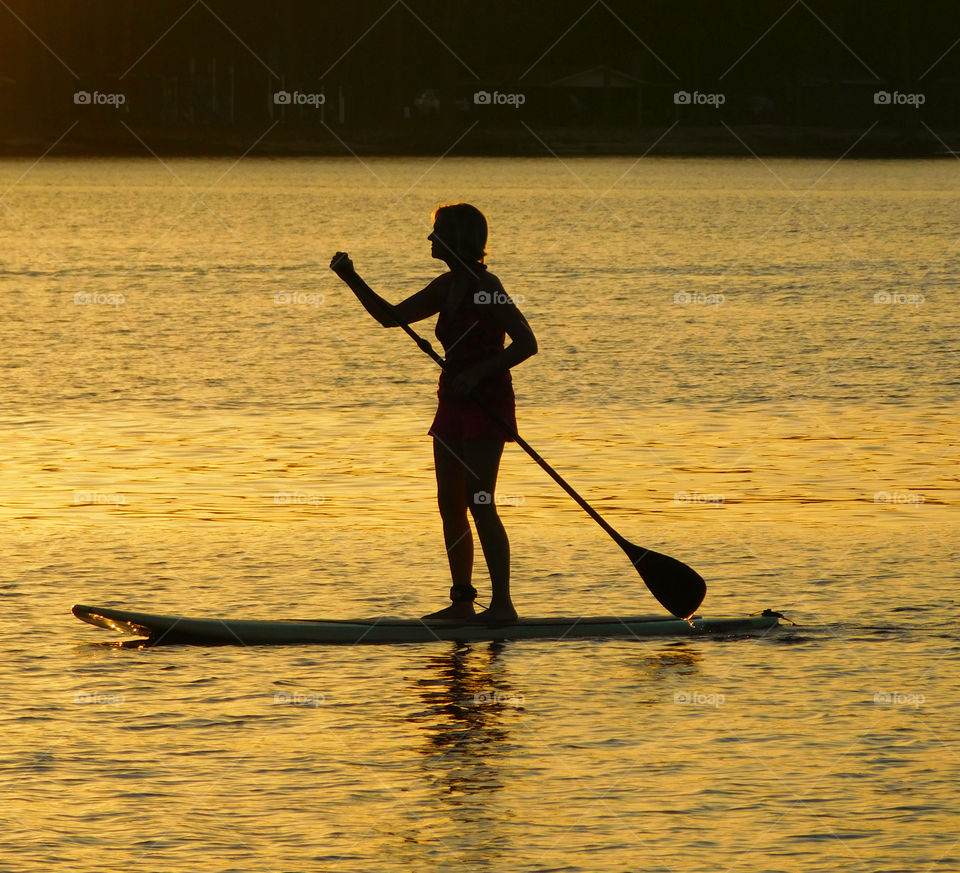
(482, 507)
(451, 504)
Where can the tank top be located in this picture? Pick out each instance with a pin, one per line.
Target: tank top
(469, 335)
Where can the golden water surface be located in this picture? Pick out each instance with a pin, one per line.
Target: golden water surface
(752, 366)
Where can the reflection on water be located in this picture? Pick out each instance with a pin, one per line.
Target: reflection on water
(466, 746)
(463, 717)
(478, 739)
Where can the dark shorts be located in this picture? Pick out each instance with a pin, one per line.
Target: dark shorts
(460, 418)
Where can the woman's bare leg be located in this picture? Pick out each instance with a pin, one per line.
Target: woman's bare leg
(457, 537)
(482, 459)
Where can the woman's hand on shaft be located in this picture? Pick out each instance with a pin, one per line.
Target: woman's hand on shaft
(463, 383)
(342, 265)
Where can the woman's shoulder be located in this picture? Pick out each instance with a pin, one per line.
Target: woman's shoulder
(490, 281)
(441, 284)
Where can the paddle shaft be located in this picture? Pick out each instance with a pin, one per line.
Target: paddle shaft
(520, 441)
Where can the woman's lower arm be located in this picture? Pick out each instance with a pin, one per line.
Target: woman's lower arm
(515, 353)
(372, 302)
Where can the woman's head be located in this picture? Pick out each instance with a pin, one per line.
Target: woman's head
(459, 234)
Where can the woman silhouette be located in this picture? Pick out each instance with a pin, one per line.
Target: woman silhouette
(475, 316)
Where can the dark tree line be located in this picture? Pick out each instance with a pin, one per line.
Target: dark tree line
(404, 72)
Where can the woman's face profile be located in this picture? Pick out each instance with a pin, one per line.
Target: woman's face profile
(439, 249)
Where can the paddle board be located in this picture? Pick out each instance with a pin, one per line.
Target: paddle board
(172, 629)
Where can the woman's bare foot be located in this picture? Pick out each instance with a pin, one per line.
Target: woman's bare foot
(463, 610)
(505, 614)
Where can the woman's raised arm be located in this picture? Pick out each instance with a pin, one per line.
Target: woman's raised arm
(416, 307)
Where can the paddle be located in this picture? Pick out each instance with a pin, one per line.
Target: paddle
(679, 588)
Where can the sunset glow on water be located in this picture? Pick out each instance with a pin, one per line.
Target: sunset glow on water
(750, 366)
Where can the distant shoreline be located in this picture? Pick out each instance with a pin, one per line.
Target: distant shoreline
(745, 141)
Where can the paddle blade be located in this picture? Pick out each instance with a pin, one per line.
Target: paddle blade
(679, 588)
